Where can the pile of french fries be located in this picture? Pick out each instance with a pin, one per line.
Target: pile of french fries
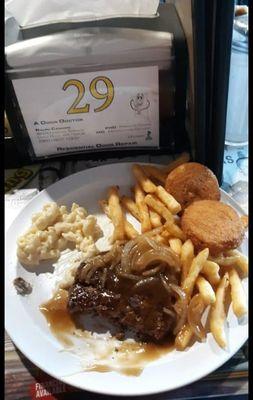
(201, 274)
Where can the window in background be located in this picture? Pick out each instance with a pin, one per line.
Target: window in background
(235, 172)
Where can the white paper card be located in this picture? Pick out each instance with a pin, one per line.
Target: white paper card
(91, 111)
(40, 12)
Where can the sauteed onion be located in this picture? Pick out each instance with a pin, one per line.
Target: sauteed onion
(142, 252)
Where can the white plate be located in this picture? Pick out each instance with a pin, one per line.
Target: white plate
(28, 329)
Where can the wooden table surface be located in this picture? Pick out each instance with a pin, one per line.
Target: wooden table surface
(23, 380)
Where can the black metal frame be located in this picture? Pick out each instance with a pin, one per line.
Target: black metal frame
(213, 27)
(222, 41)
(176, 126)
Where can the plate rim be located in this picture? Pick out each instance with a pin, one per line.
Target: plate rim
(65, 380)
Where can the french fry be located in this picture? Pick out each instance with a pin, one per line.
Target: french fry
(194, 315)
(116, 214)
(217, 314)
(146, 184)
(174, 230)
(154, 231)
(245, 221)
(160, 239)
(241, 261)
(237, 293)
(176, 245)
(130, 231)
(195, 269)
(104, 206)
(154, 172)
(183, 158)
(158, 207)
(187, 255)
(169, 201)
(155, 219)
(143, 209)
(131, 206)
(183, 337)
(139, 195)
(211, 271)
(165, 234)
(206, 291)
(225, 261)
(233, 258)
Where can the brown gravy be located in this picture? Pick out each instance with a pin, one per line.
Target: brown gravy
(134, 355)
(131, 371)
(58, 318)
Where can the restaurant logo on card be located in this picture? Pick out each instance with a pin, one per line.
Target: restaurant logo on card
(46, 390)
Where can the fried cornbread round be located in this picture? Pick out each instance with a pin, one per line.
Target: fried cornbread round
(212, 224)
(190, 182)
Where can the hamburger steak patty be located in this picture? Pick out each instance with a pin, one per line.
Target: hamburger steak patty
(133, 304)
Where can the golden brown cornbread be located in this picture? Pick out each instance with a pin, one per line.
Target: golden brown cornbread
(190, 182)
(212, 224)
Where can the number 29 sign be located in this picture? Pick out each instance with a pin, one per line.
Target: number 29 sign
(86, 111)
(108, 96)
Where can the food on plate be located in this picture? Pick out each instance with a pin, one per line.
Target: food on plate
(155, 173)
(165, 275)
(245, 221)
(233, 258)
(159, 174)
(237, 293)
(22, 287)
(116, 213)
(161, 226)
(194, 271)
(196, 308)
(212, 224)
(155, 219)
(183, 337)
(154, 203)
(168, 200)
(211, 271)
(176, 245)
(122, 227)
(206, 291)
(54, 229)
(146, 184)
(218, 315)
(190, 182)
(183, 158)
(142, 208)
(187, 255)
(113, 285)
(130, 231)
(174, 230)
(131, 206)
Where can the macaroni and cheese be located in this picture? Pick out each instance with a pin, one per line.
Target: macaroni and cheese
(54, 229)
